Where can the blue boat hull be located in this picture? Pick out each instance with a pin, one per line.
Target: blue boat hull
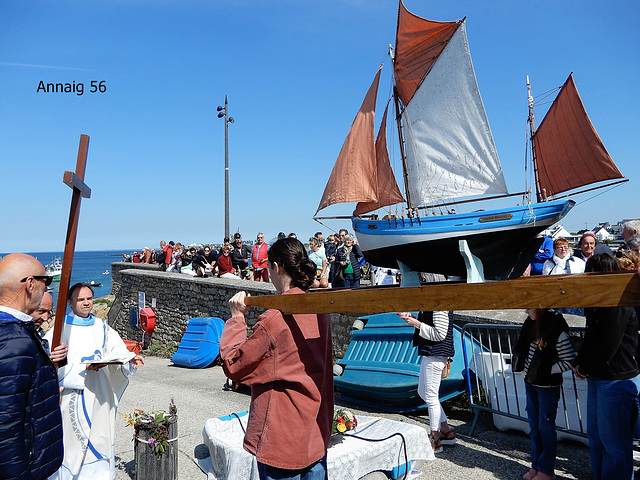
(503, 239)
(200, 344)
(381, 367)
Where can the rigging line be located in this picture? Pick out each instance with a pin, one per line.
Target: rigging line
(547, 93)
(324, 225)
(601, 193)
(544, 103)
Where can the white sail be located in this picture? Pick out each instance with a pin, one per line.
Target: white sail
(449, 146)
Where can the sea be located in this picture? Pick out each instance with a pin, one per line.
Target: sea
(87, 267)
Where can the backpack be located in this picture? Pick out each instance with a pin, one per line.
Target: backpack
(160, 256)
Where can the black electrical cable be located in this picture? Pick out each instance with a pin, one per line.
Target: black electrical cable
(404, 447)
(240, 422)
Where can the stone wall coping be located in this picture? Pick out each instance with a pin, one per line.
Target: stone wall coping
(266, 288)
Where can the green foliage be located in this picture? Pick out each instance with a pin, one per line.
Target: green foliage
(158, 349)
(106, 301)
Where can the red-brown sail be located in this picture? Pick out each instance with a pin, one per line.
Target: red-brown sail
(388, 191)
(419, 42)
(354, 177)
(568, 151)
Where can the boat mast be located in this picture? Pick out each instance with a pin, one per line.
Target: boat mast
(403, 157)
(532, 132)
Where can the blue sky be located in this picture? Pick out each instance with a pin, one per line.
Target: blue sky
(295, 73)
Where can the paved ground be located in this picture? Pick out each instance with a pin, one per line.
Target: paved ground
(200, 394)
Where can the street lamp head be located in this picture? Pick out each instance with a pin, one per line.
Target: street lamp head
(220, 108)
(231, 120)
(221, 114)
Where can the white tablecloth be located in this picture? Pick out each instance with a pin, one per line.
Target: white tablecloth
(350, 457)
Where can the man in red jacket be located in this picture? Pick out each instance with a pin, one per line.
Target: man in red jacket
(259, 259)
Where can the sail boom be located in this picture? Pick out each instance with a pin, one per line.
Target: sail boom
(471, 200)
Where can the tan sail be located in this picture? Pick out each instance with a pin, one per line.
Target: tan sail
(419, 42)
(354, 176)
(387, 188)
(568, 151)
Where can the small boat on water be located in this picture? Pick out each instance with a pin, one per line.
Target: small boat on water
(93, 283)
(106, 272)
(54, 269)
(449, 158)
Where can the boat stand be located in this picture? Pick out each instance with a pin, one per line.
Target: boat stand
(475, 270)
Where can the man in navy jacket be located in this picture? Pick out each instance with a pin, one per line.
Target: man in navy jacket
(30, 420)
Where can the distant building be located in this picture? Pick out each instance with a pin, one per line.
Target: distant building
(558, 231)
(604, 232)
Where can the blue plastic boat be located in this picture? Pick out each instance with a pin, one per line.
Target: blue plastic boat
(200, 345)
(381, 366)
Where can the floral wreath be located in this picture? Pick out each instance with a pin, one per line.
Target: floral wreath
(157, 422)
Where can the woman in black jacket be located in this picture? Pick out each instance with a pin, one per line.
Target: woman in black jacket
(347, 261)
(607, 359)
(543, 352)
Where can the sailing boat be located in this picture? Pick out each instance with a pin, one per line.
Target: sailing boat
(449, 157)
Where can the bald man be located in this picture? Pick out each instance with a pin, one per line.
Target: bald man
(30, 421)
(42, 314)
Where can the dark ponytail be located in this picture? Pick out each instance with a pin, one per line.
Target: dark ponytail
(602, 262)
(290, 254)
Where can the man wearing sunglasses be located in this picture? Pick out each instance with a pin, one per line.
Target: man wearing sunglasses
(43, 314)
(30, 421)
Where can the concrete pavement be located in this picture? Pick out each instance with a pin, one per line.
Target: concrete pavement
(200, 395)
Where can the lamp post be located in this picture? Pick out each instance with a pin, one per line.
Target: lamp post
(223, 112)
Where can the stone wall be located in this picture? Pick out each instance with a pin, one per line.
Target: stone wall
(179, 297)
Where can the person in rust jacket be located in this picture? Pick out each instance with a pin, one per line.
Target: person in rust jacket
(288, 362)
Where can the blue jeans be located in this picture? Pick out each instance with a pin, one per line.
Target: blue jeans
(315, 471)
(542, 406)
(349, 280)
(611, 415)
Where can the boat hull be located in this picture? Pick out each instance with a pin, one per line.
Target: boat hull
(504, 240)
(382, 367)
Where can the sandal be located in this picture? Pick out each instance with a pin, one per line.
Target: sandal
(448, 438)
(435, 443)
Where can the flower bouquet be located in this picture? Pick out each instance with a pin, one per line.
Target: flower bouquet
(156, 423)
(343, 421)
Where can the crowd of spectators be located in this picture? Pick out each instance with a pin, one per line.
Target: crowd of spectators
(338, 258)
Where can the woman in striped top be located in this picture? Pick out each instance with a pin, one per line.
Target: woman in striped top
(434, 338)
(543, 352)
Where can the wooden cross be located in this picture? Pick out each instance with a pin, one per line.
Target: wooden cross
(75, 180)
(544, 291)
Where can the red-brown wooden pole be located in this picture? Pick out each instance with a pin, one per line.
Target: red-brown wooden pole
(80, 189)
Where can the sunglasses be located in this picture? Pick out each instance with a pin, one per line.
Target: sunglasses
(43, 278)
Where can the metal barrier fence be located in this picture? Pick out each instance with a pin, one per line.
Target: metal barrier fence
(494, 387)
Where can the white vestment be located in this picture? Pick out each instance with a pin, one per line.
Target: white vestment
(90, 400)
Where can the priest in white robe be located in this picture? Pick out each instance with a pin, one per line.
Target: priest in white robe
(91, 391)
